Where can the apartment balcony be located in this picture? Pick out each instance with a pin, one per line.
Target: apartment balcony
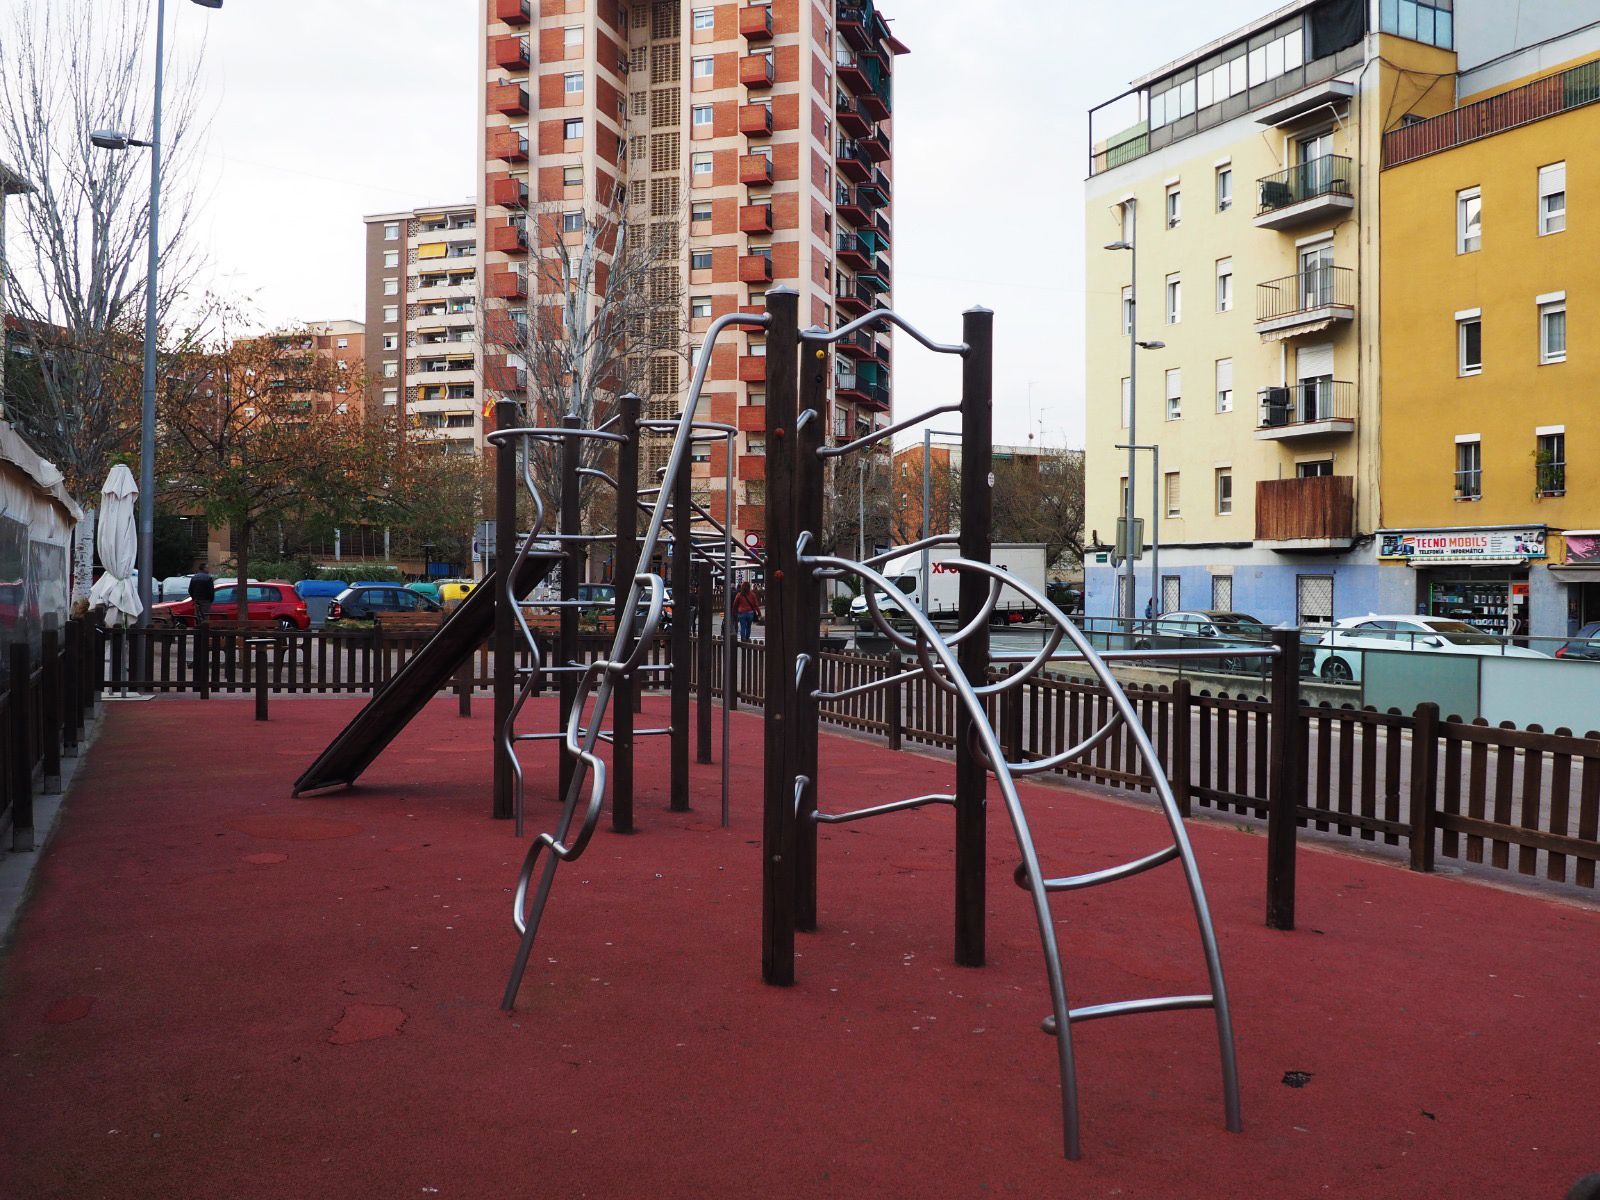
(755, 170)
(1320, 190)
(502, 377)
(1311, 300)
(852, 162)
(508, 192)
(849, 204)
(755, 120)
(860, 345)
(752, 368)
(752, 466)
(513, 12)
(755, 23)
(1315, 513)
(755, 71)
(867, 385)
(858, 251)
(875, 146)
(508, 145)
(755, 218)
(850, 67)
(510, 52)
(753, 418)
(855, 25)
(847, 113)
(755, 268)
(852, 298)
(508, 238)
(508, 99)
(508, 283)
(1311, 408)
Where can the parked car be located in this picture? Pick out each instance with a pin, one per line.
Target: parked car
(1584, 644)
(173, 587)
(1338, 659)
(1204, 629)
(268, 604)
(364, 601)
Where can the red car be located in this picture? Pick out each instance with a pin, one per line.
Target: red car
(270, 604)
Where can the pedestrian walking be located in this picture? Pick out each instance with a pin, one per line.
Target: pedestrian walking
(746, 609)
(203, 591)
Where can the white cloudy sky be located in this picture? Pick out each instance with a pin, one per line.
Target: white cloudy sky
(330, 109)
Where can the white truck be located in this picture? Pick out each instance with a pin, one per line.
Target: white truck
(1025, 560)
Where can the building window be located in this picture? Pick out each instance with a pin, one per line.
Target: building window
(391, 259)
(342, 343)
(1469, 470)
(391, 287)
(572, 177)
(391, 396)
(391, 231)
(391, 341)
(573, 35)
(700, 165)
(1469, 341)
(700, 211)
(572, 222)
(1224, 385)
(700, 308)
(1174, 505)
(1174, 206)
(700, 260)
(1552, 198)
(1550, 462)
(700, 116)
(1224, 493)
(702, 19)
(1127, 312)
(572, 128)
(1469, 221)
(1171, 593)
(391, 313)
(572, 82)
(1224, 284)
(1313, 600)
(1222, 593)
(1433, 24)
(1553, 330)
(1127, 401)
(1174, 299)
(1174, 394)
(1224, 188)
(1314, 469)
(701, 68)
(391, 370)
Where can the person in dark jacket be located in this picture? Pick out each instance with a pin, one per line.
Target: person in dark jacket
(203, 591)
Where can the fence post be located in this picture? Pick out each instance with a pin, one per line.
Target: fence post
(892, 715)
(464, 685)
(50, 705)
(19, 750)
(1012, 720)
(1178, 774)
(1424, 783)
(119, 639)
(202, 659)
(1285, 778)
(71, 687)
(259, 648)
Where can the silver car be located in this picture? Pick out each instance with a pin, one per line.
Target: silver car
(1338, 658)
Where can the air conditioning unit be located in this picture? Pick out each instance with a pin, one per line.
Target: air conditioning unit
(1277, 406)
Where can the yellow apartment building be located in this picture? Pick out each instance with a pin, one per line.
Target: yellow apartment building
(1491, 348)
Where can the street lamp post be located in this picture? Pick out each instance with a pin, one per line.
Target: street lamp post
(111, 140)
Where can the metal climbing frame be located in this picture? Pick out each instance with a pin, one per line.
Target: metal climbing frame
(956, 661)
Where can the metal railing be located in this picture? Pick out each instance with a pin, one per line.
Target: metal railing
(1306, 291)
(1307, 401)
(1469, 484)
(1325, 175)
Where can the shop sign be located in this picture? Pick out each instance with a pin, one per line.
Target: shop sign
(1583, 547)
(1422, 544)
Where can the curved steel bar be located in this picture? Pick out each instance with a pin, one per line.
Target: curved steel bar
(546, 433)
(801, 783)
(1037, 766)
(652, 621)
(859, 689)
(877, 810)
(805, 418)
(1150, 1004)
(877, 435)
(801, 662)
(597, 473)
(1068, 883)
(721, 428)
(886, 316)
(927, 543)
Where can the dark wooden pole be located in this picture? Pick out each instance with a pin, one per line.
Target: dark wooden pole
(259, 645)
(119, 657)
(572, 572)
(21, 752)
(807, 608)
(705, 661)
(464, 685)
(1285, 778)
(682, 628)
(72, 687)
(1178, 770)
(1424, 783)
(505, 628)
(50, 708)
(627, 688)
(977, 526)
(778, 815)
(893, 714)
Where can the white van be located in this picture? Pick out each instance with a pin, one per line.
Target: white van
(1025, 560)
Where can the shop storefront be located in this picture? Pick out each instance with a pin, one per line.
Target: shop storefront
(1580, 575)
(1486, 577)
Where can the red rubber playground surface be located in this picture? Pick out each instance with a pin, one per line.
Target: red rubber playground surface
(219, 991)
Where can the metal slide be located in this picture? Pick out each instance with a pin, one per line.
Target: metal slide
(430, 669)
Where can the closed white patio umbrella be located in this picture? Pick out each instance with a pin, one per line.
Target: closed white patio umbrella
(118, 543)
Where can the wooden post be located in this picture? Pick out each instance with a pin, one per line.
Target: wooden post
(259, 645)
(572, 572)
(1286, 778)
(50, 706)
(464, 685)
(1424, 783)
(778, 807)
(71, 687)
(627, 687)
(1178, 773)
(705, 660)
(893, 715)
(119, 643)
(682, 627)
(202, 659)
(1013, 719)
(19, 749)
(505, 622)
(807, 611)
(977, 527)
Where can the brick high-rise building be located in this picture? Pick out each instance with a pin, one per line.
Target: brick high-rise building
(752, 138)
(423, 359)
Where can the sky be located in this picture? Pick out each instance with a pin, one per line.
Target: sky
(327, 110)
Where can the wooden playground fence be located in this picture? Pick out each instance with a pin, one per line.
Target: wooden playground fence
(1525, 801)
(45, 706)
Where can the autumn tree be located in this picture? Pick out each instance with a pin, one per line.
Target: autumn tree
(944, 492)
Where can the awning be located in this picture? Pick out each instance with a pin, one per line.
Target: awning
(1577, 572)
(431, 250)
(1464, 560)
(1279, 335)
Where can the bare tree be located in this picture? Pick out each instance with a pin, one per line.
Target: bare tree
(857, 504)
(81, 239)
(1039, 498)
